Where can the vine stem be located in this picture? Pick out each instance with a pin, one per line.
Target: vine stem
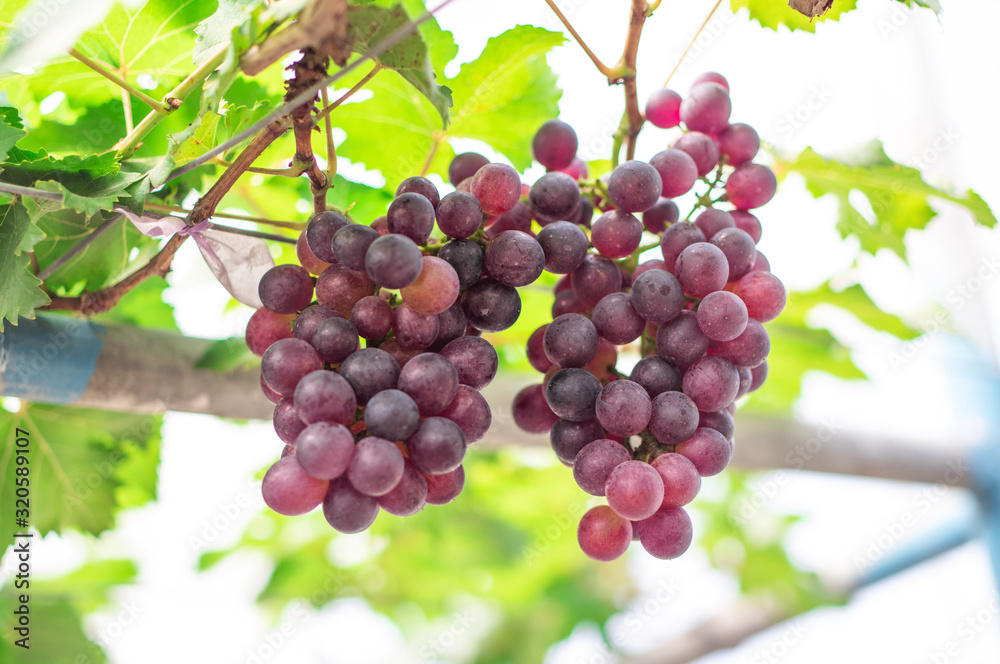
(601, 67)
(328, 108)
(293, 225)
(628, 62)
(309, 68)
(113, 76)
(691, 43)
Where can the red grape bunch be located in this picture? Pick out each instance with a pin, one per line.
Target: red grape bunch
(385, 426)
(696, 316)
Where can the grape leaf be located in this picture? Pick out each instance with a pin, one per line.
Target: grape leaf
(81, 462)
(26, 45)
(11, 131)
(20, 289)
(774, 13)
(897, 194)
(143, 306)
(853, 299)
(57, 631)
(218, 28)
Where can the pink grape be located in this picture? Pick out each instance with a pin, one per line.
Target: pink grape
(634, 490)
(667, 534)
(603, 535)
(708, 450)
(681, 481)
(289, 490)
(663, 108)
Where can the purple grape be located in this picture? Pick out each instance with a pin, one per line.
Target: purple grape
(498, 188)
(289, 490)
(443, 488)
(518, 218)
(758, 376)
(415, 330)
(657, 296)
(286, 289)
(393, 261)
(634, 186)
(674, 417)
(536, 352)
(722, 316)
(467, 258)
(677, 170)
(596, 277)
(710, 77)
(411, 215)
(701, 148)
(708, 450)
(676, 239)
(667, 534)
(572, 394)
(585, 214)
(270, 394)
(623, 408)
(451, 326)
(746, 380)
(422, 186)
(464, 166)
(739, 143)
(657, 218)
(720, 420)
(595, 462)
(603, 535)
(376, 467)
(491, 306)
(347, 509)
(474, 358)
(324, 396)
(391, 414)
(713, 220)
(567, 302)
(568, 438)
(554, 145)
(264, 328)
(320, 231)
(712, 383)
(701, 269)
(437, 446)
(372, 317)
(340, 288)
(285, 362)
(616, 319)
(335, 339)
(514, 258)
(681, 481)
(761, 264)
(707, 109)
(564, 246)
(663, 109)
(531, 412)
(739, 249)
(309, 319)
(656, 375)
(324, 450)
(616, 234)
(287, 423)
(470, 411)
(408, 496)
(555, 195)
(634, 490)
(681, 341)
(431, 381)
(570, 341)
(369, 371)
(751, 186)
(351, 243)
(747, 350)
(459, 215)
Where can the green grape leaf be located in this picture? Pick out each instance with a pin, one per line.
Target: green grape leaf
(200, 141)
(143, 306)
(57, 635)
(89, 586)
(853, 299)
(897, 195)
(20, 289)
(774, 13)
(11, 131)
(218, 28)
(370, 25)
(82, 463)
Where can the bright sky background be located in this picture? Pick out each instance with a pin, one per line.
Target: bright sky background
(927, 89)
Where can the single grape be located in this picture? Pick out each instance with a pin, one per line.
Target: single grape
(567, 302)
(616, 234)
(572, 394)
(678, 171)
(335, 339)
(577, 169)
(286, 289)
(289, 490)
(713, 220)
(437, 446)
(351, 243)
(738, 143)
(324, 396)
(604, 362)
(712, 382)
(399, 353)
(708, 450)
(634, 490)
(749, 349)
(595, 462)
(498, 188)
(750, 186)
(393, 261)
(431, 381)
(673, 418)
(657, 218)
(415, 330)
(634, 186)
(309, 319)
(603, 535)
(443, 488)
(464, 166)
(568, 438)
(722, 316)
(435, 289)
(720, 420)
(422, 186)
(451, 325)
(646, 266)
(746, 380)
(623, 408)
(270, 394)
(340, 288)
(656, 375)
(555, 195)
(536, 352)
(761, 264)
(467, 258)
(616, 319)
(381, 225)
(324, 450)
(408, 496)
(518, 218)
(710, 77)
(554, 145)
(459, 214)
(320, 231)
(287, 423)
(470, 411)
(706, 109)
(376, 467)
(596, 277)
(564, 246)
(514, 258)
(369, 371)
(667, 534)
(586, 213)
(474, 358)
(570, 341)
(676, 239)
(491, 306)
(347, 509)
(411, 215)
(531, 412)
(307, 258)
(657, 296)
(663, 109)
(701, 269)
(391, 414)
(739, 249)
(758, 375)
(372, 317)
(681, 481)
(748, 223)
(763, 293)
(264, 328)
(285, 362)
(681, 341)
(701, 148)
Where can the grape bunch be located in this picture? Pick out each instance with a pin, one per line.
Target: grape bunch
(645, 440)
(385, 426)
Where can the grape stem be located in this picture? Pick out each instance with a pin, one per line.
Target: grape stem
(158, 106)
(601, 67)
(331, 148)
(293, 225)
(327, 108)
(691, 43)
(309, 69)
